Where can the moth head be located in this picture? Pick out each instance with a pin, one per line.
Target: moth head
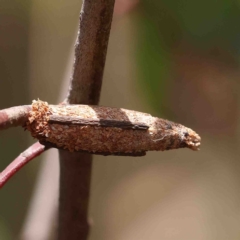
(191, 139)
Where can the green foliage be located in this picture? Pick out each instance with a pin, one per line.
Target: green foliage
(164, 25)
(4, 232)
(206, 22)
(153, 61)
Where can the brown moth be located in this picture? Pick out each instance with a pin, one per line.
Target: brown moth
(106, 130)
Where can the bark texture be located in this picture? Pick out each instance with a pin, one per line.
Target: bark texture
(75, 179)
(90, 51)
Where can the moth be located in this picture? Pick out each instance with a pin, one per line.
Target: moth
(106, 130)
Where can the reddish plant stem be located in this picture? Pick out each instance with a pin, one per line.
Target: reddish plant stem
(14, 116)
(25, 157)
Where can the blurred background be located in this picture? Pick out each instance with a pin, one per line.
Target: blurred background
(174, 59)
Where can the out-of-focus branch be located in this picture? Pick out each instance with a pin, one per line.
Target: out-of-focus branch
(14, 116)
(25, 157)
(85, 87)
(40, 222)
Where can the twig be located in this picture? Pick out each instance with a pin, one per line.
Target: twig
(25, 157)
(85, 87)
(75, 178)
(14, 116)
(90, 51)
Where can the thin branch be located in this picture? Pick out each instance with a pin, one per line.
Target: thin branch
(14, 116)
(75, 178)
(25, 157)
(90, 51)
(85, 87)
